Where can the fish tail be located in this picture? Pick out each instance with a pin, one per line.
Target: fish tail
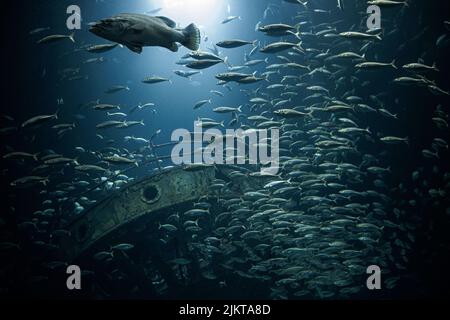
(225, 60)
(192, 37)
(45, 181)
(435, 67)
(393, 64)
(72, 37)
(296, 34)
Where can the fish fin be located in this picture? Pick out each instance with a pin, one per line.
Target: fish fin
(173, 47)
(434, 66)
(137, 28)
(225, 60)
(72, 37)
(136, 49)
(393, 64)
(192, 37)
(45, 181)
(168, 21)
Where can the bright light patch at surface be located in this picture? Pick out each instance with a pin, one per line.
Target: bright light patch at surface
(203, 12)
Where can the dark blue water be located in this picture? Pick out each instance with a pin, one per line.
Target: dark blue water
(32, 85)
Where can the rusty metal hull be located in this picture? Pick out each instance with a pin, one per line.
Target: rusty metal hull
(159, 192)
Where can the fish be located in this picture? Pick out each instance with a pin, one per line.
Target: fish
(202, 55)
(38, 30)
(235, 43)
(123, 247)
(375, 65)
(20, 155)
(155, 79)
(29, 180)
(107, 107)
(116, 114)
(141, 107)
(279, 47)
(387, 3)
(115, 89)
(61, 161)
(136, 31)
(129, 124)
(56, 38)
(291, 113)
(202, 64)
(230, 18)
(209, 124)
(256, 62)
(154, 11)
(276, 30)
(102, 48)
(201, 103)
(118, 160)
(232, 76)
(186, 74)
(90, 168)
(419, 67)
(395, 140)
(228, 109)
(39, 120)
(109, 124)
(360, 36)
(217, 93)
(168, 227)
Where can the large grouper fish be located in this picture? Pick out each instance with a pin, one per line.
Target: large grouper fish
(136, 31)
